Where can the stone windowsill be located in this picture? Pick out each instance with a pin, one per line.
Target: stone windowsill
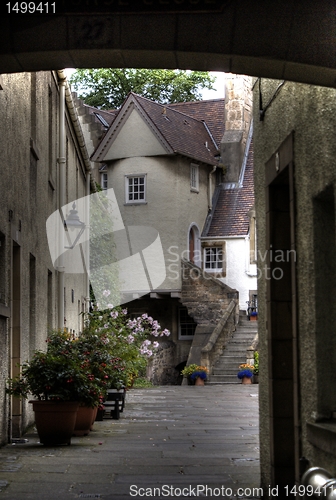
(323, 435)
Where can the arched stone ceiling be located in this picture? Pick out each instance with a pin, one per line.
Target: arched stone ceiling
(284, 39)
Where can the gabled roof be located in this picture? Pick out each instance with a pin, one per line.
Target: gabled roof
(230, 216)
(177, 132)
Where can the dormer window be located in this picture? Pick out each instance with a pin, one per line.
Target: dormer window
(194, 178)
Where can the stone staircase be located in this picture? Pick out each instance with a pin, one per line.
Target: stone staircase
(226, 369)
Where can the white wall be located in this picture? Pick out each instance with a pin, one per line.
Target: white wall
(240, 274)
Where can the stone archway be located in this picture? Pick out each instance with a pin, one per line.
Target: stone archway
(285, 40)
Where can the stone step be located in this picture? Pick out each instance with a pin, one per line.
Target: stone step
(240, 337)
(243, 335)
(230, 361)
(222, 370)
(243, 342)
(228, 371)
(222, 379)
(248, 330)
(227, 359)
(243, 329)
(236, 350)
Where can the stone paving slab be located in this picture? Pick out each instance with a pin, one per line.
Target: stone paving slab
(169, 442)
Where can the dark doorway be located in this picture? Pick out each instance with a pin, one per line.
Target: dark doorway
(281, 317)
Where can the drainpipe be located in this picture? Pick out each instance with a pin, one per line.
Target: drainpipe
(210, 187)
(61, 163)
(87, 244)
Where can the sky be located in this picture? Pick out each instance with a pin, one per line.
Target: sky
(207, 94)
(219, 85)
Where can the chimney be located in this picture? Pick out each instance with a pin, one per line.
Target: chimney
(238, 114)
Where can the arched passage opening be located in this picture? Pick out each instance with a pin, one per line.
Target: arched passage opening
(281, 41)
(287, 40)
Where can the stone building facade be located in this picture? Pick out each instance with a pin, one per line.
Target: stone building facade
(295, 181)
(30, 193)
(177, 153)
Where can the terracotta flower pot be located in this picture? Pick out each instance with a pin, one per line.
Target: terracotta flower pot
(84, 421)
(95, 411)
(247, 380)
(55, 421)
(199, 381)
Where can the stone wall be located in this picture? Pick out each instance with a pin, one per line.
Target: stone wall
(220, 337)
(205, 297)
(161, 368)
(29, 150)
(238, 115)
(308, 112)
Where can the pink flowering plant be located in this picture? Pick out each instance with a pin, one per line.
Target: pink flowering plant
(132, 341)
(109, 353)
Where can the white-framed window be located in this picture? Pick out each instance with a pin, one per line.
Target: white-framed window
(103, 181)
(187, 325)
(213, 258)
(135, 188)
(194, 177)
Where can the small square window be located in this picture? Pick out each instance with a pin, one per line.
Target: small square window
(194, 177)
(187, 325)
(135, 189)
(213, 258)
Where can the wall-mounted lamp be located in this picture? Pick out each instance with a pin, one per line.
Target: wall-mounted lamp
(74, 223)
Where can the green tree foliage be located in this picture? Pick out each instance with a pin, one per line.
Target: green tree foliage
(108, 88)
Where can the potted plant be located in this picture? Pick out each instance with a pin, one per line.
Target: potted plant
(131, 340)
(195, 374)
(127, 344)
(254, 316)
(65, 376)
(57, 382)
(245, 373)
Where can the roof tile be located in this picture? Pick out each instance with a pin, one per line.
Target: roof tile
(186, 135)
(230, 215)
(211, 111)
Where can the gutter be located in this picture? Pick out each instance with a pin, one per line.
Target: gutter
(223, 237)
(77, 126)
(61, 197)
